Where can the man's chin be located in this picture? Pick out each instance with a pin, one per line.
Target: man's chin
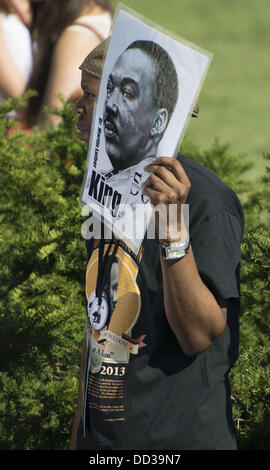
(83, 135)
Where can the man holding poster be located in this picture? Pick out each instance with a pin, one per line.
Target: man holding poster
(154, 373)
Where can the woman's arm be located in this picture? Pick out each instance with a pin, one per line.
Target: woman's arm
(12, 82)
(65, 76)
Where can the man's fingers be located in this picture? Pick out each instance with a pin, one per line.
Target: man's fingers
(175, 166)
(163, 193)
(169, 178)
(156, 197)
(163, 173)
(156, 187)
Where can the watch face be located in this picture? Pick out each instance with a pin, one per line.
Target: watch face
(98, 313)
(173, 253)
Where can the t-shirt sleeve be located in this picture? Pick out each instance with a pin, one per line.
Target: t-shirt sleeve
(216, 245)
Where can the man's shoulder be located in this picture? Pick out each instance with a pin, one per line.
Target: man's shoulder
(201, 176)
(209, 194)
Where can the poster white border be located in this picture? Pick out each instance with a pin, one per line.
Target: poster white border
(191, 63)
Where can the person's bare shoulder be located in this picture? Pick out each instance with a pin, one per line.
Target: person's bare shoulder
(65, 75)
(75, 45)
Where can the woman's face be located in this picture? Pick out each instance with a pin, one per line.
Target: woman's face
(23, 7)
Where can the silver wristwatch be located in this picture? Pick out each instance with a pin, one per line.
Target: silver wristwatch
(175, 250)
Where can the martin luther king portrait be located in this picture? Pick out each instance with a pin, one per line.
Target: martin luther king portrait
(142, 91)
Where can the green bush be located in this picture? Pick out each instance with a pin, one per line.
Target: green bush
(250, 377)
(42, 285)
(250, 383)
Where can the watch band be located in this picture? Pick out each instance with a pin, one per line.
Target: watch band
(175, 250)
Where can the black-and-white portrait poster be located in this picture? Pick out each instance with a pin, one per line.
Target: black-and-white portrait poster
(149, 86)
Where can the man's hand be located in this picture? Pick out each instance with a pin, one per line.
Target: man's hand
(167, 185)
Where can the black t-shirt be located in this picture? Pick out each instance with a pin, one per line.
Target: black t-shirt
(143, 391)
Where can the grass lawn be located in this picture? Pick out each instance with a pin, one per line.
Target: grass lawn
(235, 96)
